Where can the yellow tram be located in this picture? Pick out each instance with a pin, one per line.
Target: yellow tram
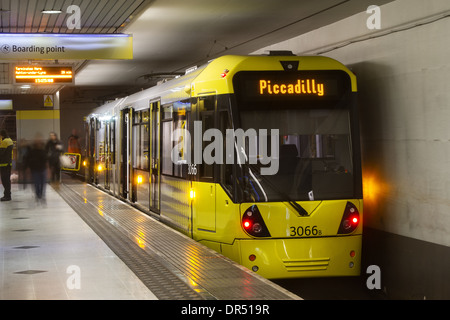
(256, 157)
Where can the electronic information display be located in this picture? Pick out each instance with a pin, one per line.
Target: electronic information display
(43, 75)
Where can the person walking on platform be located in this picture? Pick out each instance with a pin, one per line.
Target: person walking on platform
(23, 148)
(36, 160)
(6, 148)
(54, 150)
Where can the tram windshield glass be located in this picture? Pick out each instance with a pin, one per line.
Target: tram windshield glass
(315, 158)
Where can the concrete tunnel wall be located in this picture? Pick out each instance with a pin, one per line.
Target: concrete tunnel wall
(403, 72)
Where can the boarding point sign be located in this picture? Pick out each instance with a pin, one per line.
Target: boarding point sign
(66, 46)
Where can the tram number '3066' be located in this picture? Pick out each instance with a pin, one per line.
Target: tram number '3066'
(192, 169)
(307, 231)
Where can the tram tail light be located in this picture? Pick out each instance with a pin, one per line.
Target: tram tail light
(350, 219)
(224, 73)
(253, 223)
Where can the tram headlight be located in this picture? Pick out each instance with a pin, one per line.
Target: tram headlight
(257, 228)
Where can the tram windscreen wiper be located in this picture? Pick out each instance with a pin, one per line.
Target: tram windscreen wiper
(293, 204)
(298, 208)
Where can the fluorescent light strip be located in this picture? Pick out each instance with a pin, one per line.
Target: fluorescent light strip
(65, 35)
(51, 11)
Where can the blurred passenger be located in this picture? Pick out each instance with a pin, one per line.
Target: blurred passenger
(36, 160)
(24, 148)
(6, 148)
(54, 149)
(74, 143)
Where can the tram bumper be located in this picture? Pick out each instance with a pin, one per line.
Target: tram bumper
(303, 257)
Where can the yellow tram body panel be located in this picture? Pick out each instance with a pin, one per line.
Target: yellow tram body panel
(306, 257)
(210, 81)
(304, 246)
(298, 246)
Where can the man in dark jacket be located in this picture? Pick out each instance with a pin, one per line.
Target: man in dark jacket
(6, 148)
(54, 151)
(36, 160)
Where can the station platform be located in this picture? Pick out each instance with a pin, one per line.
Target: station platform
(84, 244)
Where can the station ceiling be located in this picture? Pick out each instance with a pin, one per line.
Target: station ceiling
(168, 35)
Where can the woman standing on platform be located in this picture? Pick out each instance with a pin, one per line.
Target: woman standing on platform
(54, 150)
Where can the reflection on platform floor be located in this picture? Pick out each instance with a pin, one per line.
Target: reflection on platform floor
(48, 252)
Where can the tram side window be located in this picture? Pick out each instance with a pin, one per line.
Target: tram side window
(180, 122)
(167, 112)
(145, 146)
(207, 103)
(113, 141)
(175, 116)
(145, 140)
(167, 128)
(206, 106)
(100, 156)
(141, 140)
(226, 170)
(92, 136)
(135, 146)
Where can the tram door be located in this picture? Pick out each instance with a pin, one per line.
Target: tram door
(92, 150)
(205, 206)
(155, 151)
(112, 156)
(100, 147)
(108, 154)
(125, 157)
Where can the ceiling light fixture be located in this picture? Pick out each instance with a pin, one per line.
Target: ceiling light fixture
(51, 11)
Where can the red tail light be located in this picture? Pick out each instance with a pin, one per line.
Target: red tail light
(253, 223)
(224, 73)
(350, 219)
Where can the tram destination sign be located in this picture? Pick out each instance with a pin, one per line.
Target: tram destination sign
(31, 74)
(315, 85)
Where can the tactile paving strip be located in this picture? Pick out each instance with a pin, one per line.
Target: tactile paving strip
(164, 284)
(203, 271)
